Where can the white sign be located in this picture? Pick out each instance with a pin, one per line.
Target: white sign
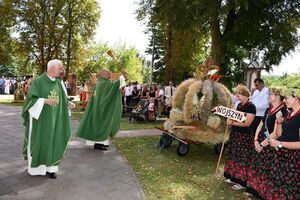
(230, 113)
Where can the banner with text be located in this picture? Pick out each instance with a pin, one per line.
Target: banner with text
(230, 113)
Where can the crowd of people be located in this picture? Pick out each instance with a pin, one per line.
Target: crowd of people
(263, 152)
(158, 96)
(8, 85)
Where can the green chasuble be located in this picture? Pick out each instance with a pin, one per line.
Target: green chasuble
(51, 132)
(103, 115)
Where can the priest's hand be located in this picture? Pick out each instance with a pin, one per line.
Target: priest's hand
(71, 105)
(50, 102)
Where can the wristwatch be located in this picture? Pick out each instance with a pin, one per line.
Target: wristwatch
(280, 145)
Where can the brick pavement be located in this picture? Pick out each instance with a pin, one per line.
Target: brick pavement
(84, 173)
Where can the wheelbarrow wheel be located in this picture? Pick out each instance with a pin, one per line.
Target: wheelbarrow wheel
(183, 149)
(165, 141)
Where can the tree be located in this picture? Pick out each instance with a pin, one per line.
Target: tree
(291, 81)
(156, 49)
(234, 27)
(179, 47)
(82, 17)
(94, 58)
(238, 26)
(51, 27)
(7, 21)
(129, 59)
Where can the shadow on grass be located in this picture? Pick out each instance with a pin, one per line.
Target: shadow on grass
(165, 175)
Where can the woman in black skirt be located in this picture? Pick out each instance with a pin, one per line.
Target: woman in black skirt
(266, 125)
(240, 149)
(279, 174)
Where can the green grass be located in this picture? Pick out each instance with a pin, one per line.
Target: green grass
(77, 114)
(125, 124)
(10, 102)
(165, 175)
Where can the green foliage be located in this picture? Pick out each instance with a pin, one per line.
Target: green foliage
(55, 29)
(7, 21)
(179, 46)
(82, 17)
(95, 58)
(234, 27)
(92, 60)
(291, 81)
(5, 70)
(146, 72)
(127, 58)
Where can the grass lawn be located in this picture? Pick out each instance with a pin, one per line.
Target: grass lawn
(165, 175)
(77, 114)
(125, 124)
(10, 102)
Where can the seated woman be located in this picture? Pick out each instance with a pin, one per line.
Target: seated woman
(136, 95)
(240, 149)
(266, 125)
(279, 172)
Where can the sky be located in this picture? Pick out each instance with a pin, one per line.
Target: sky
(118, 25)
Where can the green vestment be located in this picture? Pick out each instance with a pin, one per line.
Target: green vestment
(103, 114)
(51, 131)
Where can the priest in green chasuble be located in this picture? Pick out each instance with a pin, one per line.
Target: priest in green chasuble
(47, 122)
(102, 117)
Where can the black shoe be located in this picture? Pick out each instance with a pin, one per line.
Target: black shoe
(52, 175)
(100, 147)
(96, 146)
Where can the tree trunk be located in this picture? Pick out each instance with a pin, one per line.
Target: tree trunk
(169, 59)
(43, 66)
(218, 43)
(70, 35)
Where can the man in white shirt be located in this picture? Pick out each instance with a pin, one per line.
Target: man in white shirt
(169, 92)
(139, 87)
(128, 95)
(260, 98)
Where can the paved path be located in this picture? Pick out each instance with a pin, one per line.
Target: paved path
(84, 173)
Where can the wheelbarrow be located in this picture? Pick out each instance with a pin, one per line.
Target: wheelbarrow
(183, 147)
